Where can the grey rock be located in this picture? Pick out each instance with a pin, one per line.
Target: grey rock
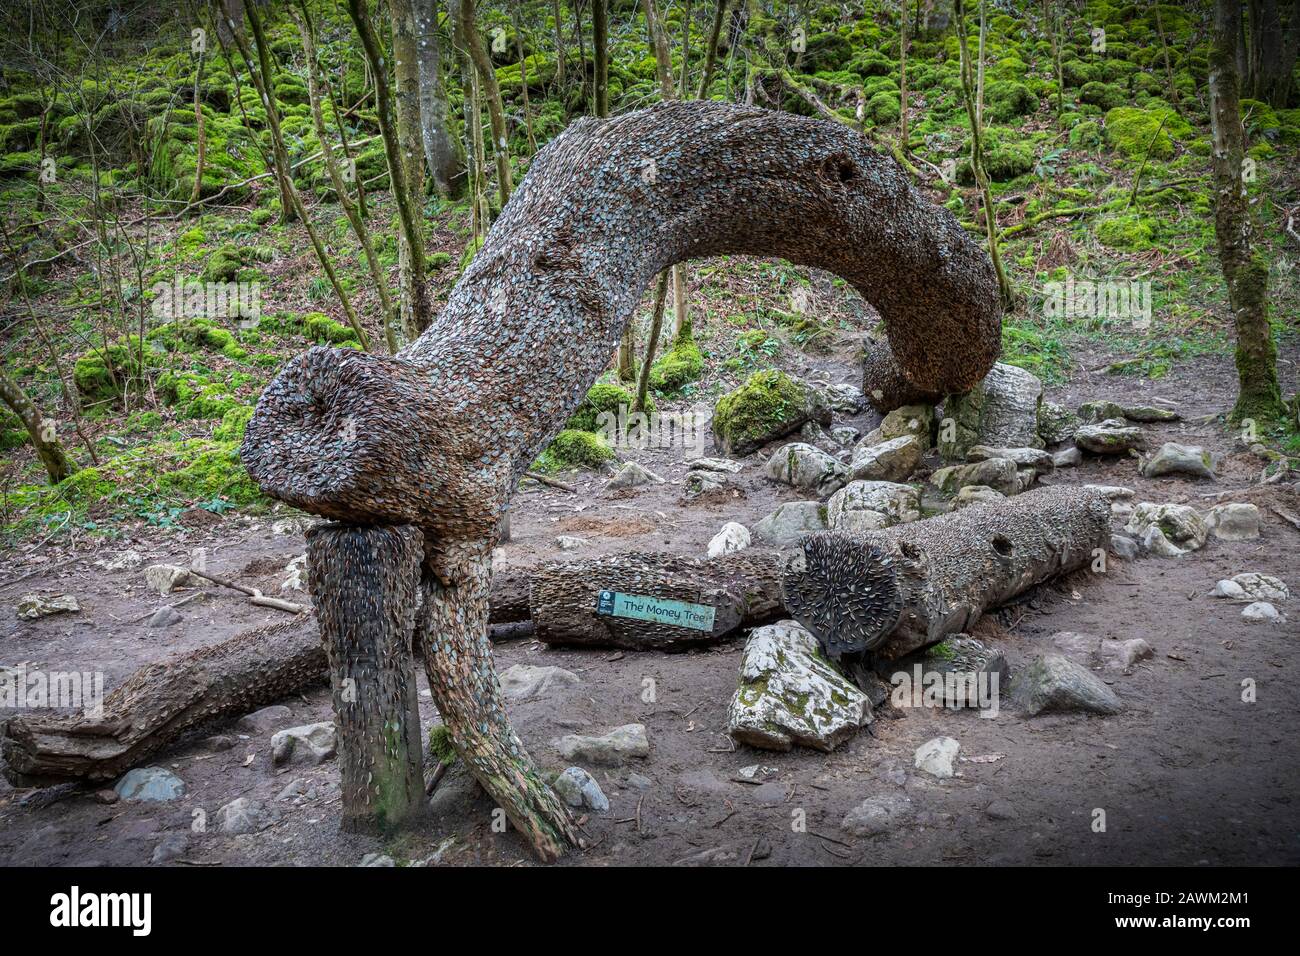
(568, 542)
(1091, 413)
(1176, 459)
(845, 435)
(633, 475)
(1001, 411)
(721, 465)
(790, 522)
(871, 505)
(806, 467)
(578, 788)
(974, 495)
(1056, 423)
(1001, 810)
(1035, 458)
(33, 606)
(611, 749)
(1167, 530)
(1067, 457)
(914, 420)
(166, 578)
(378, 859)
(845, 399)
(1123, 547)
(732, 537)
(1262, 612)
(701, 481)
(892, 460)
(260, 721)
(1150, 413)
(173, 846)
(996, 473)
(245, 815)
(122, 561)
(311, 744)
(936, 757)
(1233, 521)
(1111, 437)
(521, 681)
(165, 616)
(150, 785)
(1053, 683)
(1252, 586)
(956, 670)
(790, 694)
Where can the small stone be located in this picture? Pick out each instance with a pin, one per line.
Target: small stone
(702, 481)
(638, 781)
(106, 797)
(1251, 586)
(1112, 492)
(33, 606)
(1124, 548)
(377, 859)
(244, 815)
(721, 465)
(1261, 612)
(173, 846)
(295, 575)
(936, 757)
(1099, 411)
(845, 399)
(260, 721)
(1176, 459)
(1067, 457)
(1001, 810)
(790, 522)
(311, 744)
(150, 785)
(633, 475)
(974, 495)
(522, 681)
(165, 616)
(610, 749)
(566, 542)
(1053, 683)
(1035, 458)
(733, 537)
(1167, 530)
(123, 561)
(166, 578)
(1056, 423)
(1149, 413)
(292, 525)
(577, 788)
(1111, 437)
(845, 435)
(1233, 521)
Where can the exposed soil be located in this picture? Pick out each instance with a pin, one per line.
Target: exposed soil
(1189, 773)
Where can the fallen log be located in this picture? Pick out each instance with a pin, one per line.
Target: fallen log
(741, 589)
(165, 700)
(888, 593)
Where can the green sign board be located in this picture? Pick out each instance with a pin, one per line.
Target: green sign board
(660, 611)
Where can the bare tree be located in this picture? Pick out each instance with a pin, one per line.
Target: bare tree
(487, 76)
(442, 148)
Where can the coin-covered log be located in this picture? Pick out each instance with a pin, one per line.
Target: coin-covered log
(157, 704)
(439, 435)
(364, 580)
(887, 593)
(654, 601)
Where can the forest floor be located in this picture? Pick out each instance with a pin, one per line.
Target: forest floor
(1187, 774)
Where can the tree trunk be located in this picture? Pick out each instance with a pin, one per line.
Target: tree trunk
(200, 135)
(40, 430)
(523, 78)
(458, 662)
(414, 299)
(1259, 397)
(652, 343)
(902, 77)
(410, 142)
(1272, 52)
(163, 700)
(364, 583)
(600, 44)
(359, 228)
(487, 75)
(559, 44)
(711, 54)
(894, 591)
(743, 589)
(443, 151)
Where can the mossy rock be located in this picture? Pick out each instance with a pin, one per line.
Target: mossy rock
(883, 108)
(1130, 131)
(320, 328)
(1003, 161)
(223, 265)
(233, 424)
(769, 405)
(1085, 135)
(1006, 99)
(601, 398)
(575, 448)
(679, 366)
(1105, 96)
(101, 374)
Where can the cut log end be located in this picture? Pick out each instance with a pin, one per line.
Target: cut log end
(844, 590)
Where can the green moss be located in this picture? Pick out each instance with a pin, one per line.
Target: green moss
(679, 366)
(1085, 135)
(215, 471)
(102, 374)
(883, 108)
(602, 397)
(320, 328)
(441, 747)
(439, 260)
(574, 448)
(1128, 232)
(759, 410)
(1130, 130)
(223, 265)
(195, 397)
(1007, 99)
(1105, 96)
(1004, 158)
(233, 423)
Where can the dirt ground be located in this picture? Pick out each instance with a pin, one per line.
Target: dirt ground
(1187, 774)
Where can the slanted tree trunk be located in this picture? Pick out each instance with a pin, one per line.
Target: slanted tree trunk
(200, 134)
(364, 583)
(443, 151)
(652, 343)
(711, 53)
(414, 297)
(487, 76)
(559, 43)
(40, 430)
(442, 432)
(894, 591)
(743, 589)
(1259, 397)
(350, 210)
(523, 78)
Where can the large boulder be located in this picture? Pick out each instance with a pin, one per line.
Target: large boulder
(1176, 459)
(1233, 521)
(1037, 459)
(914, 420)
(790, 694)
(1001, 411)
(1110, 437)
(791, 521)
(1056, 423)
(996, 473)
(1252, 586)
(808, 468)
(892, 460)
(872, 505)
(310, 744)
(769, 405)
(611, 749)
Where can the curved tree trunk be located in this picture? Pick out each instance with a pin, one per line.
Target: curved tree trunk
(439, 435)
